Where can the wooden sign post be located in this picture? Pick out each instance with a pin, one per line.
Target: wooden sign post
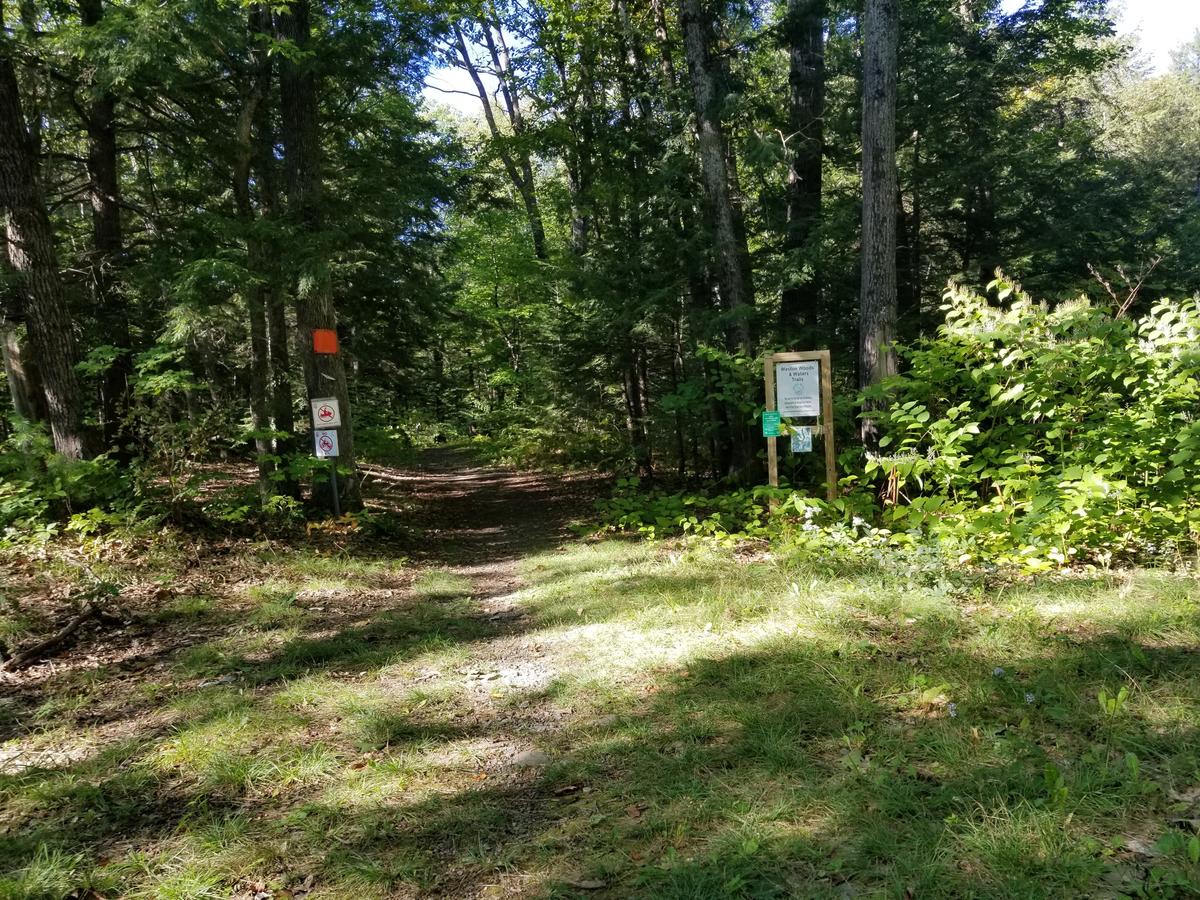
(793, 391)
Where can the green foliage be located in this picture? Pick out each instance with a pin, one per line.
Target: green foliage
(571, 444)
(38, 486)
(1020, 436)
(725, 515)
(1047, 436)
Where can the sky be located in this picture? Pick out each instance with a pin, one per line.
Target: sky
(1159, 25)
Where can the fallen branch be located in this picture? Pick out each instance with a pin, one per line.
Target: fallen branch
(30, 655)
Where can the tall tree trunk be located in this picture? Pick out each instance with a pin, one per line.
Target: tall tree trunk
(104, 193)
(635, 421)
(260, 364)
(31, 250)
(719, 175)
(324, 374)
(666, 64)
(877, 310)
(804, 33)
(734, 277)
(909, 318)
(274, 299)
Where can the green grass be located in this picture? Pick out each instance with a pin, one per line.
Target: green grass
(717, 727)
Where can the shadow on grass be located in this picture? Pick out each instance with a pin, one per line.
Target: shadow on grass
(782, 771)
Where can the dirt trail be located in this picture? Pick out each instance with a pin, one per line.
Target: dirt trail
(480, 521)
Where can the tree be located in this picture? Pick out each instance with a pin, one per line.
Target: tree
(32, 254)
(514, 151)
(1185, 59)
(104, 196)
(803, 34)
(324, 374)
(716, 162)
(20, 370)
(877, 309)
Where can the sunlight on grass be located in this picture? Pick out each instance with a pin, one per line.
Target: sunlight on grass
(441, 584)
(713, 726)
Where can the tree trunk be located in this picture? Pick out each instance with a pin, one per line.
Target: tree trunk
(877, 310)
(278, 331)
(104, 193)
(734, 277)
(31, 250)
(324, 374)
(255, 293)
(24, 383)
(909, 317)
(666, 64)
(804, 33)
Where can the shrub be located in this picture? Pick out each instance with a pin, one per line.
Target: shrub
(1045, 436)
(37, 485)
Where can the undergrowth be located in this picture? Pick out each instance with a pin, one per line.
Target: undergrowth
(1019, 437)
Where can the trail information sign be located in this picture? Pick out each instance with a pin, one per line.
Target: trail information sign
(770, 424)
(326, 413)
(798, 389)
(326, 444)
(799, 385)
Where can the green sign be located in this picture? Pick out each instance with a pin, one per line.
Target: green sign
(770, 423)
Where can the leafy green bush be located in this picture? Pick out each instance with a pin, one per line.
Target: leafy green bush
(657, 513)
(37, 485)
(1047, 436)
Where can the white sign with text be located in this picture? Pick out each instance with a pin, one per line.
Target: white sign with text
(798, 389)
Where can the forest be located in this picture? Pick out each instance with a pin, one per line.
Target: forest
(392, 503)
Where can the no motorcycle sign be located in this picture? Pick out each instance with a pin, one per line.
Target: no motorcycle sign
(326, 413)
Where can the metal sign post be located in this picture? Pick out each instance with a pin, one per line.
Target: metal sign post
(800, 385)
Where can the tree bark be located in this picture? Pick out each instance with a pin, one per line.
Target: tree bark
(278, 330)
(255, 294)
(734, 277)
(31, 250)
(666, 64)
(24, 382)
(104, 193)
(324, 374)
(877, 309)
(804, 34)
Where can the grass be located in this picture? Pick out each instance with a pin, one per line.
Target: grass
(715, 726)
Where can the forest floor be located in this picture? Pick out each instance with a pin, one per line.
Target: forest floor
(486, 704)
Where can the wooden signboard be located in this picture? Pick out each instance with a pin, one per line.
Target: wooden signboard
(798, 386)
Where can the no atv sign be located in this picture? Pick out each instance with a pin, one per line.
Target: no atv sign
(326, 413)
(326, 444)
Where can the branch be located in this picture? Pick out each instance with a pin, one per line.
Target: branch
(1137, 287)
(32, 654)
(440, 90)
